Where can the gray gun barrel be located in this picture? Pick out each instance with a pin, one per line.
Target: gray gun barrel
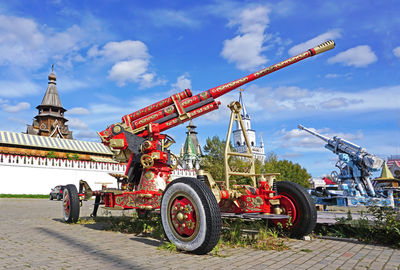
(353, 145)
(336, 143)
(322, 137)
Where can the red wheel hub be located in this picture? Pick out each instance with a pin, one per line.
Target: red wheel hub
(288, 207)
(183, 217)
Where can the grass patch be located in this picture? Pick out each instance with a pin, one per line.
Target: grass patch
(168, 246)
(148, 226)
(253, 234)
(25, 196)
(84, 221)
(382, 228)
(235, 233)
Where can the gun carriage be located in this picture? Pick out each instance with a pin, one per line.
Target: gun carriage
(356, 167)
(191, 208)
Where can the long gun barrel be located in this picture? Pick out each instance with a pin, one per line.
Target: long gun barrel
(336, 144)
(356, 153)
(181, 107)
(316, 134)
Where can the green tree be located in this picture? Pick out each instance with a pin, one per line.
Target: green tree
(213, 162)
(288, 170)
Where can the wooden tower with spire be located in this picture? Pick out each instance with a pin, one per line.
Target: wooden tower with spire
(50, 120)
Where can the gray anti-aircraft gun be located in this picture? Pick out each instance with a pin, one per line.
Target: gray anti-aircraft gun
(354, 164)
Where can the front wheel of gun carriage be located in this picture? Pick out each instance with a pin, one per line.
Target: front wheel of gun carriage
(299, 205)
(190, 216)
(71, 205)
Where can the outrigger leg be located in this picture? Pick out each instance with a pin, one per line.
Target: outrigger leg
(96, 206)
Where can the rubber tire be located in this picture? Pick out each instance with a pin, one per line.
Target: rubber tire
(51, 197)
(58, 197)
(305, 206)
(209, 215)
(74, 205)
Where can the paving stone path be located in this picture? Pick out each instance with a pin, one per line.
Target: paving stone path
(32, 236)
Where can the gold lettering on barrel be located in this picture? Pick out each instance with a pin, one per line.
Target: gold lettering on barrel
(281, 64)
(230, 85)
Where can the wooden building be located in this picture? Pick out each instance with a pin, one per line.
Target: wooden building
(50, 120)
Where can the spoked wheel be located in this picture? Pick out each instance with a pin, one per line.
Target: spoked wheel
(71, 205)
(298, 204)
(190, 216)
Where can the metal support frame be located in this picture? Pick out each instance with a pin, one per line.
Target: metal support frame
(235, 108)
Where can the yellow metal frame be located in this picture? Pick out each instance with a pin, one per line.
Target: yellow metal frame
(235, 108)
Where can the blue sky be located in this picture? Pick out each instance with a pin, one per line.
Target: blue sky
(114, 57)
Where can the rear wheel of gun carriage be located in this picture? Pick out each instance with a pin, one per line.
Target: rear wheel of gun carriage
(71, 205)
(299, 205)
(190, 215)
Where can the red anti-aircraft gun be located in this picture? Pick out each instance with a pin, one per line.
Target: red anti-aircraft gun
(191, 208)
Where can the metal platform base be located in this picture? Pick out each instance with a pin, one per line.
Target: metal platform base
(253, 216)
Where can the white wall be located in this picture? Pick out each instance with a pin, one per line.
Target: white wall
(31, 180)
(28, 175)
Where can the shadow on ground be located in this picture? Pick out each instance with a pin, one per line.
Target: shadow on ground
(147, 241)
(87, 248)
(103, 226)
(97, 225)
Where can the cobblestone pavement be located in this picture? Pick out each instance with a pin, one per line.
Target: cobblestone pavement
(33, 236)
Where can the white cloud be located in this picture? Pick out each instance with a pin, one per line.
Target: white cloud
(252, 19)
(89, 135)
(22, 106)
(106, 109)
(245, 50)
(131, 62)
(67, 41)
(284, 7)
(76, 123)
(70, 84)
(182, 83)
(396, 51)
(24, 43)
(291, 92)
(290, 102)
(335, 75)
(124, 50)
(18, 88)
(299, 48)
(331, 75)
(339, 102)
(78, 111)
(290, 155)
(130, 71)
(360, 56)
(20, 42)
